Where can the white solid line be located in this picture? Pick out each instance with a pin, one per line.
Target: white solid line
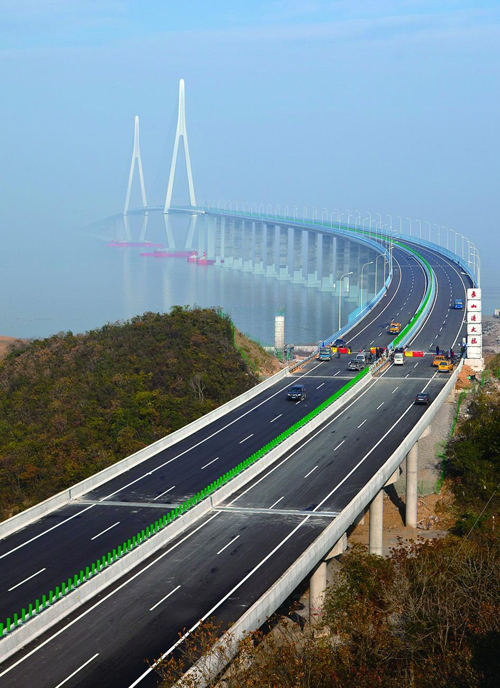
(272, 421)
(229, 543)
(26, 579)
(362, 423)
(105, 531)
(210, 462)
(395, 388)
(306, 476)
(75, 672)
(246, 438)
(277, 502)
(339, 445)
(164, 598)
(380, 405)
(321, 385)
(164, 493)
(14, 549)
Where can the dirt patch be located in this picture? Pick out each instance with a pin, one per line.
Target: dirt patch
(264, 364)
(6, 343)
(462, 381)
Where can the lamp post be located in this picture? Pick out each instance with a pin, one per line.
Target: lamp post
(446, 235)
(340, 293)
(361, 285)
(439, 232)
(428, 223)
(382, 255)
(400, 225)
(322, 214)
(409, 219)
(419, 228)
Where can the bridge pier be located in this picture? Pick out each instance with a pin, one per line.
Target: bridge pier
(290, 253)
(210, 237)
(376, 526)
(411, 486)
(222, 257)
(319, 580)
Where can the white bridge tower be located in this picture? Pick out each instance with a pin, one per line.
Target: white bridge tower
(181, 131)
(136, 156)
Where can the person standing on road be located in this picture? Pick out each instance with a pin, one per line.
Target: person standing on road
(437, 350)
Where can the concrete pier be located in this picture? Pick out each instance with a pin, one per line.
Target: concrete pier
(377, 524)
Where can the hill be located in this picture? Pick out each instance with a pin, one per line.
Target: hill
(70, 405)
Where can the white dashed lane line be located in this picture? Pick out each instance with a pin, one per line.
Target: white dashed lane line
(362, 423)
(25, 580)
(308, 474)
(246, 438)
(164, 598)
(339, 445)
(395, 388)
(210, 462)
(278, 500)
(105, 531)
(380, 405)
(229, 543)
(272, 421)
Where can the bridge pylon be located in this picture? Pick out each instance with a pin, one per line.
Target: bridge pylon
(136, 157)
(180, 131)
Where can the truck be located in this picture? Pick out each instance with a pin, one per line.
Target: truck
(458, 305)
(325, 353)
(394, 328)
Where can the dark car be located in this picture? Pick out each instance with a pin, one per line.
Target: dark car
(423, 398)
(297, 393)
(339, 343)
(355, 365)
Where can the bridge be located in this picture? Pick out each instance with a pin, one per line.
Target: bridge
(228, 515)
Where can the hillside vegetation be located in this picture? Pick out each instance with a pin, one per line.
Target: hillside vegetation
(70, 405)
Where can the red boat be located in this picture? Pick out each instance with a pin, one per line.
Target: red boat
(164, 253)
(121, 244)
(204, 260)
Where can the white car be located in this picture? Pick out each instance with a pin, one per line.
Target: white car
(399, 359)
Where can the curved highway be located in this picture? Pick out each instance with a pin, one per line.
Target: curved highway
(226, 561)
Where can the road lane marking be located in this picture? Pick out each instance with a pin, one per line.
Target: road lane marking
(229, 543)
(308, 474)
(339, 445)
(277, 502)
(395, 388)
(337, 373)
(164, 598)
(380, 405)
(211, 462)
(105, 531)
(416, 364)
(25, 580)
(79, 669)
(164, 493)
(321, 385)
(362, 423)
(246, 438)
(276, 418)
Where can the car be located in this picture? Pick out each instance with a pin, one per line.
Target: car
(437, 359)
(339, 343)
(423, 398)
(445, 366)
(394, 328)
(458, 305)
(355, 365)
(297, 393)
(399, 358)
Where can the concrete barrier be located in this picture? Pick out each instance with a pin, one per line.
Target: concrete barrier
(267, 604)
(54, 613)
(37, 511)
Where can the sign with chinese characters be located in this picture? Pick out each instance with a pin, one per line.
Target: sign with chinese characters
(474, 294)
(474, 305)
(473, 317)
(473, 328)
(473, 340)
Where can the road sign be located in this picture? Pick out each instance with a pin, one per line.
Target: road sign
(474, 294)
(474, 305)
(474, 317)
(474, 328)
(473, 340)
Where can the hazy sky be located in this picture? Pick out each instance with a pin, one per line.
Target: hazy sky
(390, 106)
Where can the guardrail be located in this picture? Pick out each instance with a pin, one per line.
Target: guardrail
(35, 618)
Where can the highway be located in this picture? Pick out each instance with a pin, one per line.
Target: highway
(224, 563)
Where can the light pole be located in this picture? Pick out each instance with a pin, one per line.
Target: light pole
(400, 225)
(380, 223)
(382, 255)
(419, 228)
(446, 236)
(358, 219)
(361, 285)
(439, 232)
(428, 223)
(409, 219)
(340, 293)
(322, 214)
(295, 209)
(304, 214)
(390, 226)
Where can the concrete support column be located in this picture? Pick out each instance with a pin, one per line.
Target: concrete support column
(264, 246)
(411, 486)
(242, 245)
(253, 245)
(277, 239)
(317, 588)
(193, 219)
(210, 236)
(319, 257)
(201, 236)
(223, 238)
(290, 255)
(305, 253)
(377, 524)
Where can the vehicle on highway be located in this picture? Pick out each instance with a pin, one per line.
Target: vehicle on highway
(297, 393)
(363, 357)
(458, 305)
(325, 353)
(339, 342)
(438, 359)
(445, 366)
(394, 328)
(399, 358)
(356, 365)
(423, 398)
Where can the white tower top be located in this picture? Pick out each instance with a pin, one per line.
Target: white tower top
(181, 131)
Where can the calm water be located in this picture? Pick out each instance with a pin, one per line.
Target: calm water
(61, 281)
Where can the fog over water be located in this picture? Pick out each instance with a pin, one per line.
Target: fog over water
(82, 283)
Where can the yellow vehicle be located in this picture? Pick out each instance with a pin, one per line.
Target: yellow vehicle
(438, 359)
(394, 328)
(445, 366)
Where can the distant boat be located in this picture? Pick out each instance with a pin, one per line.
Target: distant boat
(122, 244)
(165, 253)
(204, 260)
(193, 257)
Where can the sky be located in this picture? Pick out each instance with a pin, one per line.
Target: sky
(388, 106)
